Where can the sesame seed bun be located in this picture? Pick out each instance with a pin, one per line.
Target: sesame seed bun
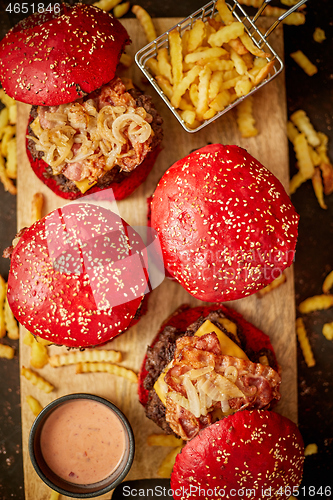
(54, 58)
(251, 454)
(226, 225)
(75, 277)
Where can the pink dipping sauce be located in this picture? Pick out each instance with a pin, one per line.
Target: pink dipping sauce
(83, 441)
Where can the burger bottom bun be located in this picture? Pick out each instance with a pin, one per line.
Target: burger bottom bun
(251, 454)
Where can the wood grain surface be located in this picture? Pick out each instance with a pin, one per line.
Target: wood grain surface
(274, 314)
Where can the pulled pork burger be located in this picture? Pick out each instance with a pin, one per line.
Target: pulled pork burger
(206, 363)
(226, 225)
(78, 276)
(87, 130)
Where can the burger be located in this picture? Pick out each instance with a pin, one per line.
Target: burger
(226, 226)
(212, 378)
(88, 130)
(206, 363)
(78, 277)
(254, 454)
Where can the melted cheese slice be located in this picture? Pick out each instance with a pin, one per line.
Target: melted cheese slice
(84, 185)
(228, 348)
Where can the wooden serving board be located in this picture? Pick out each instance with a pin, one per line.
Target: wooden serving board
(274, 313)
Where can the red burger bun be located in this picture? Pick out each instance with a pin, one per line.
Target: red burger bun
(226, 225)
(64, 54)
(71, 276)
(251, 454)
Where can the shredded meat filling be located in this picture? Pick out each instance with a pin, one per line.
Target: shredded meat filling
(86, 139)
(202, 382)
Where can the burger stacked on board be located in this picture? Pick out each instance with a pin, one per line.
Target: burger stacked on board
(87, 131)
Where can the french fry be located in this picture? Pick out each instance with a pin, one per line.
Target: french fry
(165, 85)
(120, 371)
(203, 87)
(294, 19)
(6, 100)
(328, 283)
(304, 62)
(176, 57)
(6, 181)
(37, 204)
(11, 165)
(251, 46)
(167, 464)
(245, 118)
(208, 53)
(91, 355)
(12, 114)
(328, 330)
(164, 65)
(4, 120)
(302, 122)
(224, 12)
(226, 33)
(305, 164)
(146, 22)
(196, 36)
(164, 440)
(34, 405)
(243, 86)
(310, 449)
(37, 380)
(319, 35)
(28, 339)
(252, 3)
(7, 134)
(126, 60)
(7, 351)
(10, 322)
(304, 343)
(296, 181)
(152, 65)
(316, 303)
(121, 9)
(185, 83)
(3, 291)
(54, 495)
(318, 188)
(106, 4)
(38, 356)
(272, 286)
(327, 173)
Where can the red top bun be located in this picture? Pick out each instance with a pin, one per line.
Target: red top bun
(251, 454)
(66, 54)
(226, 225)
(76, 278)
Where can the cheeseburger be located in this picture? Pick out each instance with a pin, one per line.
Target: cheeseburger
(212, 378)
(87, 130)
(226, 225)
(78, 276)
(206, 363)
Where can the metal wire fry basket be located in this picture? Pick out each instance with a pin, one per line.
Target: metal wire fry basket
(209, 11)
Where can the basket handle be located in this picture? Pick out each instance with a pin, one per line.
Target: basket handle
(279, 19)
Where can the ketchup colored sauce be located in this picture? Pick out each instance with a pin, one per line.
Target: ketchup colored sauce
(83, 441)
